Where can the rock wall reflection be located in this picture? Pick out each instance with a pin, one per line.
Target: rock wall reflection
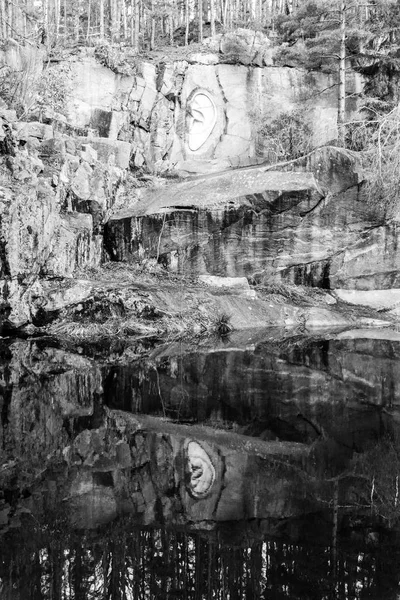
(336, 388)
(262, 470)
(167, 474)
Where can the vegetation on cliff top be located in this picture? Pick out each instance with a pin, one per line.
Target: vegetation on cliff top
(158, 22)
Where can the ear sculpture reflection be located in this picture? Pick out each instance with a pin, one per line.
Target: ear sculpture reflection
(200, 470)
(202, 117)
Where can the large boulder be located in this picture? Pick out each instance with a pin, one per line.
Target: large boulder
(242, 46)
(264, 224)
(221, 225)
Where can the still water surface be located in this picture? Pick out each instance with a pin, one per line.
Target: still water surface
(253, 467)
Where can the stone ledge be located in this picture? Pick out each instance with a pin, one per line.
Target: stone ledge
(377, 299)
(217, 190)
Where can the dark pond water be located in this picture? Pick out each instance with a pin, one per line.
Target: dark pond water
(257, 466)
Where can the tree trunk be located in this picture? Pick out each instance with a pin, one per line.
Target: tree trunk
(212, 17)
(3, 30)
(65, 20)
(137, 22)
(17, 20)
(342, 76)
(187, 20)
(132, 22)
(124, 21)
(171, 29)
(6, 18)
(24, 20)
(46, 23)
(252, 9)
(200, 9)
(11, 18)
(101, 18)
(335, 516)
(235, 17)
(76, 25)
(88, 19)
(111, 19)
(117, 20)
(152, 26)
(57, 19)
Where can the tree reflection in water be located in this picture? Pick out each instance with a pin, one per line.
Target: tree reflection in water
(122, 563)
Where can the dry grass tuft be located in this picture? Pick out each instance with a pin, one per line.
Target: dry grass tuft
(296, 294)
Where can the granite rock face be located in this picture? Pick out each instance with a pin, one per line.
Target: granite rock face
(54, 192)
(304, 221)
(220, 226)
(158, 108)
(373, 262)
(307, 223)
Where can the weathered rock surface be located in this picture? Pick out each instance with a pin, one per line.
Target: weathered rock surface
(372, 262)
(103, 307)
(191, 225)
(155, 109)
(308, 223)
(383, 300)
(300, 224)
(54, 192)
(303, 222)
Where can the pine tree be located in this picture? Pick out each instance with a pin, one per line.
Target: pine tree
(379, 60)
(327, 36)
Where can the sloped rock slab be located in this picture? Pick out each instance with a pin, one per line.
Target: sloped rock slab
(215, 191)
(218, 225)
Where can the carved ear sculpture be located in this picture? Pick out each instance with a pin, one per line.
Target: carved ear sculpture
(201, 120)
(201, 471)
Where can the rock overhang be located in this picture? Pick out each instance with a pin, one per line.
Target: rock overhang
(230, 189)
(215, 224)
(291, 221)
